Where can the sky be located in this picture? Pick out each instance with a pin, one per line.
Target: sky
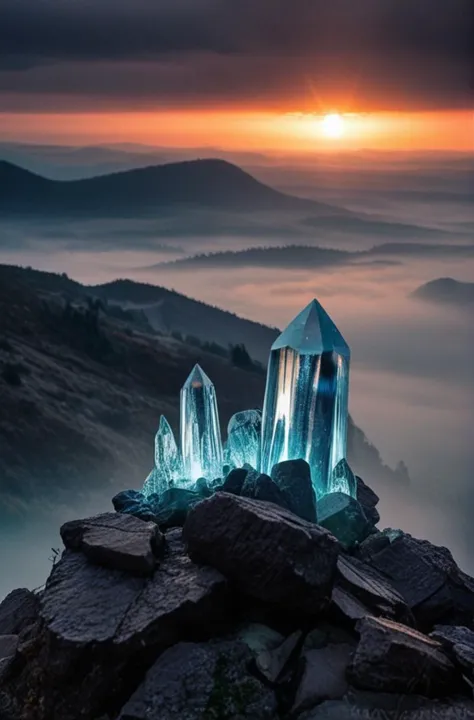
(257, 74)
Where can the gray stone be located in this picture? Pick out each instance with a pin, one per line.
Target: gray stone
(391, 657)
(174, 505)
(415, 578)
(269, 553)
(268, 491)
(115, 540)
(344, 517)
(372, 545)
(272, 663)
(259, 638)
(250, 484)
(104, 621)
(349, 606)
(18, 611)
(324, 676)
(369, 587)
(293, 477)
(384, 706)
(459, 643)
(196, 681)
(234, 481)
(8, 645)
(369, 500)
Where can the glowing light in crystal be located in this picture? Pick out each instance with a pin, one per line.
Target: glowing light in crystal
(201, 445)
(306, 396)
(243, 439)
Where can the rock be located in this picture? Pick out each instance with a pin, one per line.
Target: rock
(391, 657)
(293, 477)
(421, 581)
(260, 637)
(269, 553)
(272, 663)
(250, 484)
(174, 506)
(18, 611)
(372, 545)
(8, 645)
(110, 624)
(134, 503)
(369, 500)
(268, 491)
(234, 481)
(324, 676)
(358, 705)
(348, 606)
(344, 517)
(459, 644)
(195, 681)
(117, 541)
(361, 583)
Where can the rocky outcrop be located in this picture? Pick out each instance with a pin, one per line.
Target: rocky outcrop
(391, 657)
(369, 501)
(344, 517)
(260, 614)
(208, 680)
(119, 542)
(268, 552)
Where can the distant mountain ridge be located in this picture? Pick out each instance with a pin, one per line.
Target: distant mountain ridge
(446, 291)
(208, 183)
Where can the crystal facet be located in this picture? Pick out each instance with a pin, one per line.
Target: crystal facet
(168, 468)
(243, 438)
(201, 445)
(306, 397)
(343, 480)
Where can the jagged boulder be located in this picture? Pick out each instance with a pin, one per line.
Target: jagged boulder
(194, 681)
(134, 503)
(391, 657)
(360, 586)
(111, 625)
(344, 517)
(18, 611)
(117, 541)
(323, 675)
(293, 478)
(172, 506)
(368, 500)
(459, 644)
(235, 480)
(268, 552)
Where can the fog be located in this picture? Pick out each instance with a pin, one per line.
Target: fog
(412, 376)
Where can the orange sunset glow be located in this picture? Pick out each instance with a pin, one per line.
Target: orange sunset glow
(238, 130)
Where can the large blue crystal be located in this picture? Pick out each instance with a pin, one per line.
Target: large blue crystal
(306, 398)
(243, 439)
(201, 444)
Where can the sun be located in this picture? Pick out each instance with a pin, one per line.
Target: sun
(333, 125)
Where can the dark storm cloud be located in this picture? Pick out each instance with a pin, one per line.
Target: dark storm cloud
(226, 49)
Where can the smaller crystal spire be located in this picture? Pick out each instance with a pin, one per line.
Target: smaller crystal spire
(167, 456)
(343, 480)
(243, 438)
(201, 444)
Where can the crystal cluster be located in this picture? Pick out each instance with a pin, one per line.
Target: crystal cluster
(304, 416)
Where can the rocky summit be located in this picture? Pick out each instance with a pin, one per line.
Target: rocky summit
(232, 606)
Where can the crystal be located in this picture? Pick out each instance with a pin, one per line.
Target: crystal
(168, 469)
(305, 410)
(243, 438)
(343, 480)
(201, 445)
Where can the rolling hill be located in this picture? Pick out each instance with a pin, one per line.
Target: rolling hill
(446, 291)
(214, 184)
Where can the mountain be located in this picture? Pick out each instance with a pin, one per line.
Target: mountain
(215, 184)
(84, 379)
(446, 291)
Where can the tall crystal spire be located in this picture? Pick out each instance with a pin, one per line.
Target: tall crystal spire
(201, 444)
(243, 438)
(306, 396)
